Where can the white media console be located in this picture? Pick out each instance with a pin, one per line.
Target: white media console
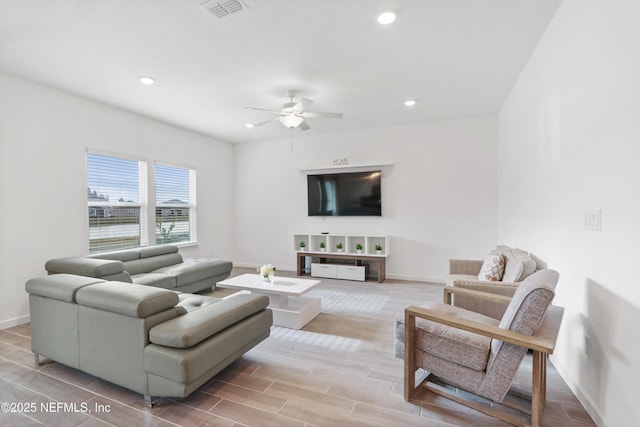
(347, 251)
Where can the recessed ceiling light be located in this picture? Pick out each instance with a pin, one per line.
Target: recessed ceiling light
(249, 125)
(410, 102)
(146, 80)
(386, 17)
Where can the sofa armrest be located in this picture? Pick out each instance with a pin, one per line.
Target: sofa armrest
(450, 291)
(493, 309)
(465, 266)
(500, 288)
(188, 330)
(89, 267)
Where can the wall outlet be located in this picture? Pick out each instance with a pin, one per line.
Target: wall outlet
(593, 220)
(587, 345)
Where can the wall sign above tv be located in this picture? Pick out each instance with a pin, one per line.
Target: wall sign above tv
(344, 194)
(341, 161)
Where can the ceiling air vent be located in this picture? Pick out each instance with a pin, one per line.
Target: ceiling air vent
(223, 8)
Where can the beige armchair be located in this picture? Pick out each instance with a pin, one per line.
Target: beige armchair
(472, 358)
(517, 266)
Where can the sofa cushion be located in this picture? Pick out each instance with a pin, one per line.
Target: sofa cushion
(193, 270)
(192, 302)
(513, 267)
(492, 268)
(150, 251)
(149, 264)
(529, 265)
(155, 279)
(540, 264)
(519, 265)
(470, 350)
(125, 255)
(127, 299)
(62, 287)
(190, 329)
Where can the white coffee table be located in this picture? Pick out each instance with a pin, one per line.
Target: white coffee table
(290, 308)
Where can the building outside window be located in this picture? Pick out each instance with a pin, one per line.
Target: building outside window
(117, 202)
(175, 204)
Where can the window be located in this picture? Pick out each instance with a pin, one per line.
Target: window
(117, 203)
(175, 204)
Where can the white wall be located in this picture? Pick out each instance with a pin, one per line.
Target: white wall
(569, 141)
(44, 135)
(439, 196)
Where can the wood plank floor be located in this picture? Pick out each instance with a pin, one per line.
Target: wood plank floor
(338, 371)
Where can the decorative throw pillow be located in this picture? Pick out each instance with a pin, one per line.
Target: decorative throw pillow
(492, 268)
(528, 264)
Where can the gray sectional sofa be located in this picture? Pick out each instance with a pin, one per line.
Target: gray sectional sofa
(159, 266)
(153, 341)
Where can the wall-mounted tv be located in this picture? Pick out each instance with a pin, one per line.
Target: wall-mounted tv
(344, 194)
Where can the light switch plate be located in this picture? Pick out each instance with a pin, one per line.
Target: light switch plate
(593, 220)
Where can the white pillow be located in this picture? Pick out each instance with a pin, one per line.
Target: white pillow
(513, 267)
(528, 264)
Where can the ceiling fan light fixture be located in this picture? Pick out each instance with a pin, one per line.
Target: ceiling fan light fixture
(410, 102)
(386, 17)
(146, 80)
(249, 125)
(291, 120)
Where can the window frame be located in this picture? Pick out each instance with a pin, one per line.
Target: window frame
(147, 184)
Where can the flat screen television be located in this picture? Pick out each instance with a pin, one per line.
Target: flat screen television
(344, 194)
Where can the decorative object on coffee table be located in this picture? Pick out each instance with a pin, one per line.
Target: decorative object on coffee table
(267, 272)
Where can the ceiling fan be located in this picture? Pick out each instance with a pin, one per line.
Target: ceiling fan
(293, 114)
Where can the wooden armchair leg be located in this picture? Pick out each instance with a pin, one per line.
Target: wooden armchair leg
(538, 387)
(409, 356)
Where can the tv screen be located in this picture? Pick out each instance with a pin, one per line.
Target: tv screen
(344, 194)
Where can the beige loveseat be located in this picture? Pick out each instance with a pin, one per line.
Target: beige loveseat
(518, 265)
(160, 266)
(153, 341)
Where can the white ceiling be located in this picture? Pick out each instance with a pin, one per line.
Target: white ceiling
(456, 57)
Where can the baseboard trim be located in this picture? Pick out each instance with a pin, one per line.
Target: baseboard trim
(20, 320)
(586, 400)
(438, 280)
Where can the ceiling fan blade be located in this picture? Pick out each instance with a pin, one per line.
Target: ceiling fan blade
(262, 109)
(324, 115)
(304, 126)
(302, 104)
(264, 123)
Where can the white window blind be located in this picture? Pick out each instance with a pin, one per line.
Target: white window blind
(175, 204)
(117, 203)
